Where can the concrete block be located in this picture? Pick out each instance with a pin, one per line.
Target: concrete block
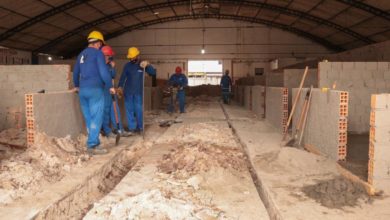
(383, 66)
(378, 74)
(360, 65)
(386, 74)
(336, 65)
(371, 65)
(258, 101)
(348, 65)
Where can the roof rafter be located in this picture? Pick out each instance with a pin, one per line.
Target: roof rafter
(40, 18)
(368, 8)
(284, 27)
(150, 7)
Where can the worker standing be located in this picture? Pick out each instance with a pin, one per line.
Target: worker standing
(91, 78)
(131, 84)
(179, 81)
(109, 112)
(226, 87)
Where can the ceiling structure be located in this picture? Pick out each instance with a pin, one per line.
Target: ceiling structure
(60, 27)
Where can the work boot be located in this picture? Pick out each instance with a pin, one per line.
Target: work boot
(98, 150)
(126, 133)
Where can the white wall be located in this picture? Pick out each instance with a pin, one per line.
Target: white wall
(242, 46)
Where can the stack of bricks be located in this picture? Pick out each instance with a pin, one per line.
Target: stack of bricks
(326, 125)
(277, 107)
(56, 114)
(361, 80)
(379, 149)
(17, 80)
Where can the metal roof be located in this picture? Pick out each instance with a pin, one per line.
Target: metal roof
(50, 26)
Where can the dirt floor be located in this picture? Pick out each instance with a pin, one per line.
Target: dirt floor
(357, 155)
(195, 170)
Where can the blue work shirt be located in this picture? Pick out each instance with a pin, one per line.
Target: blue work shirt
(178, 80)
(132, 78)
(111, 70)
(90, 70)
(226, 82)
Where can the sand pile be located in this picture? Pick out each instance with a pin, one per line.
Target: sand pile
(188, 160)
(289, 159)
(336, 193)
(47, 161)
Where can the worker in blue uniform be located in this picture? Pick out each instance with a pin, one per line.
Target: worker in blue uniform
(178, 81)
(226, 87)
(91, 78)
(131, 84)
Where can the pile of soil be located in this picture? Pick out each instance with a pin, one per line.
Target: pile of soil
(47, 161)
(188, 160)
(336, 193)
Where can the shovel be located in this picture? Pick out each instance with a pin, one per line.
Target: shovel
(118, 135)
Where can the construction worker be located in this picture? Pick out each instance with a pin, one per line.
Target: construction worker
(91, 78)
(109, 112)
(226, 87)
(131, 84)
(179, 81)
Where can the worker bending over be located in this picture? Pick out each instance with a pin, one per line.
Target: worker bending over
(226, 87)
(179, 81)
(91, 79)
(131, 84)
(109, 113)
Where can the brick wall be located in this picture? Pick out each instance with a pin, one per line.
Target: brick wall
(379, 150)
(326, 125)
(17, 80)
(56, 114)
(276, 104)
(258, 101)
(361, 80)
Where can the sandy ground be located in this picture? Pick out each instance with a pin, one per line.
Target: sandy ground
(301, 185)
(195, 170)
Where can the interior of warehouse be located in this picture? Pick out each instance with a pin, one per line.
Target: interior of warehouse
(214, 109)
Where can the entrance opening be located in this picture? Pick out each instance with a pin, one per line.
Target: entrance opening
(204, 72)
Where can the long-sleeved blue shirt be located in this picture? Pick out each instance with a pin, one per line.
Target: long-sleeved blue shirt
(90, 70)
(132, 78)
(178, 80)
(226, 81)
(111, 70)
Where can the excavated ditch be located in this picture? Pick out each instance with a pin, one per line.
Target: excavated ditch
(77, 202)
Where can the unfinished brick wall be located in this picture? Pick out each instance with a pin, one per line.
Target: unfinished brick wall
(276, 104)
(379, 149)
(17, 80)
(361, 80)
(56, 114)
(248, 97)
(326, 125)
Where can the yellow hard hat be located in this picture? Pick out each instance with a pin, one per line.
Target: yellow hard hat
(95, 35)
(132, 52)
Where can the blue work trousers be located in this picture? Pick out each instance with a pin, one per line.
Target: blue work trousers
(225, 94)
(133, 105)
(181, 97)
(107, 112)
(92, 107)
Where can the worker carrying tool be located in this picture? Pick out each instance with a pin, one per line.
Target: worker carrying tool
(178, 82)
(111, 108)
(91, 78)
(226, 87)
(131, 84)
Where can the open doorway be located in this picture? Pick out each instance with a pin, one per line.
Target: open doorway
(204, 72)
